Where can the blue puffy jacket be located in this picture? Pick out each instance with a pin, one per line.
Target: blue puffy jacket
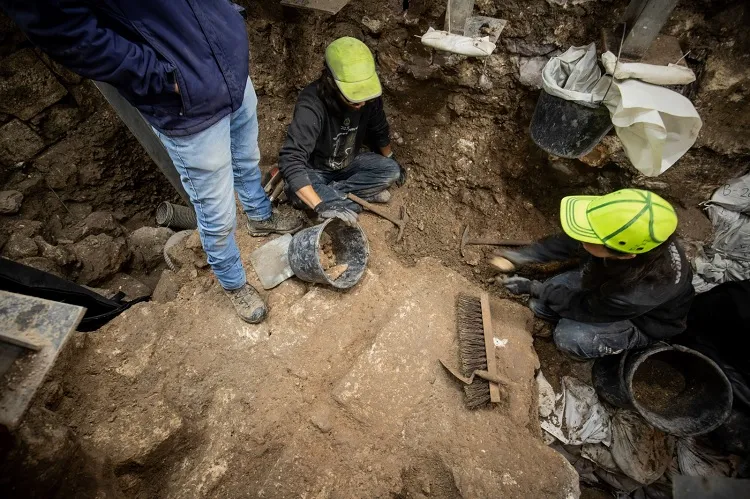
(144, 47)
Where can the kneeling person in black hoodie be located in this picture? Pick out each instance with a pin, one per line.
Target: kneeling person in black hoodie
(634, 284)
(334, 118)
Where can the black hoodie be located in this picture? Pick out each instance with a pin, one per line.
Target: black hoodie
(658, 308)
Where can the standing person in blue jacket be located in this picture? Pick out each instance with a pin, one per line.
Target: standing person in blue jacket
(184, 65)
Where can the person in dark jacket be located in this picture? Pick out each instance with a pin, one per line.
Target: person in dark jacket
(634, 284)
(334, 118)
(184, 65)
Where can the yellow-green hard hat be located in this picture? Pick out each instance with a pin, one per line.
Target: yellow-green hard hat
(630, 220)
(353, 69)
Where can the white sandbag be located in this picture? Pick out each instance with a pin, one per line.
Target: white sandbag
(696, 460)
(672, 74)
(573, 75)
(578, 416)
(458, 44)
(655, 125)
(546, 396)
(642, 452)
(600, 455)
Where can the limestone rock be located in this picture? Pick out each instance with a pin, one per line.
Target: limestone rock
(167, 288)
(98, 222)
(20, 246)
(530, 71)
(27, 86)
(57, 120)
(136, 431)
(10, 202)
(147, 245)
(528, 49)
(18, 143)
(43, 264)
(101, 256)
(61, 255)
(132, 287)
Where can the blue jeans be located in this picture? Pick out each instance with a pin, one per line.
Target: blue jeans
(583, 340)
(368, 174)
(213, 164)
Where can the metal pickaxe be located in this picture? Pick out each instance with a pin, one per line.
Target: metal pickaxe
(488, 241)
(398, 222)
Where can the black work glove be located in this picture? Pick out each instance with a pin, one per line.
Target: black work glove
(403, 175)
(343, 213)
(518, 285)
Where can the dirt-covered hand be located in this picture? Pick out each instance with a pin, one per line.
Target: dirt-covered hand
(341, 212)
(517, 285)
(403, 174)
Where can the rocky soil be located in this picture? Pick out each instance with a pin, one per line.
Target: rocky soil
(335, 395)
(340, 391)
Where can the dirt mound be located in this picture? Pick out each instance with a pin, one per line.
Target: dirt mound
(335, 395)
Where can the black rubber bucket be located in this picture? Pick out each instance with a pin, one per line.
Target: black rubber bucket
(566, 128)
(677, 390)
(175, 216)
(350, 247)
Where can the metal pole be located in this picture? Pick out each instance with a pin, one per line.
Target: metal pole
(139, 127)
(645, 19)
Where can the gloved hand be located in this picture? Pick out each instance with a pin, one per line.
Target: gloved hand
(343, 213)
(403, 175)
(518, 285)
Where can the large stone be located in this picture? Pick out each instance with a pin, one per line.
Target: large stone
(167, 288)
(27, 86)
(101, 256)
(57, 120)
(132, 287)
(18, 143)
(19, 247)
(135, 432)
(61, 255)
(147, 245)
(60, 164)
(530, 71)
(10, 202)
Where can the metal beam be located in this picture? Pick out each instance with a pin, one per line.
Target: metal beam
(644, 20)
(457, 12)
(139, 127)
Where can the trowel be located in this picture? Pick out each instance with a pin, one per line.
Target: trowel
(271, 262)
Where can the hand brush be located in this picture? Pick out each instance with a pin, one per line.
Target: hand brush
(476, 349)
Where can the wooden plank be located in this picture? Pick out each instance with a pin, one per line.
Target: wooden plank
(644, 20)
(329, 6)
(51, 324)
(489, 346)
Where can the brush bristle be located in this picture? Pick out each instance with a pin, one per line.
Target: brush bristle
(472, 349)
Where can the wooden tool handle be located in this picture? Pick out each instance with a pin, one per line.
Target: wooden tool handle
(489, 346)
(371, 207)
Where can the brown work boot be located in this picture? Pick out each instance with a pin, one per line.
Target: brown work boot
(280, 222)
(248, 303)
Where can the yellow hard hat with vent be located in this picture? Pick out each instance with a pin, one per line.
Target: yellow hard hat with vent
(630, 220)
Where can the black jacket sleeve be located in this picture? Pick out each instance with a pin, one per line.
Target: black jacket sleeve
(592, 307)
(300, 142)
(378, 131)
(557, 248)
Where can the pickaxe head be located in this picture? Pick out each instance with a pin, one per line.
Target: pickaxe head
(464, 238)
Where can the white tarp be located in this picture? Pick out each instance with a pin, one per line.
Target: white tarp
(573, 75)
(672, 74)
(656, 125)
(458, 44)
(578, 417)
(728, 257)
